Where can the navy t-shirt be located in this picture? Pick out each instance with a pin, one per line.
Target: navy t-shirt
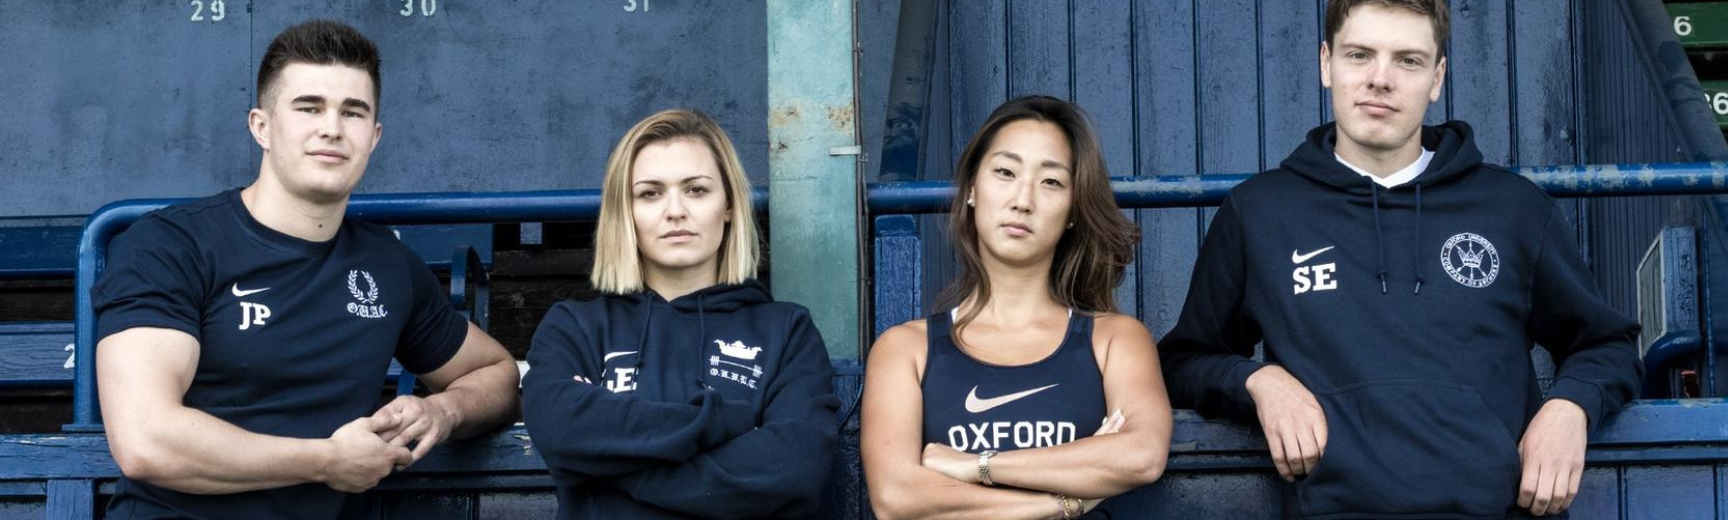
(294, 336)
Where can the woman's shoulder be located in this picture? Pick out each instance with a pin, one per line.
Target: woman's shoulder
(911, 333)
(900, 341)
(1112, 328)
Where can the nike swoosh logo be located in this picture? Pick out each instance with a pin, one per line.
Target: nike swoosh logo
(610, 355)
(1296, 257)
(242, 294)
(976, 405)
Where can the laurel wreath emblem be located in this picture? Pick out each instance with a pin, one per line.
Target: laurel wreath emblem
(371, 294)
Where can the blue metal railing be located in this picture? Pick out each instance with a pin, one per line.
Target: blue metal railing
(1209, 190)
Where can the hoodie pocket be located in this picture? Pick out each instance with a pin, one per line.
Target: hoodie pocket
(1411, 446)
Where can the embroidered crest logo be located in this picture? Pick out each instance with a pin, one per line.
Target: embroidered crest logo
(1470, 260)
(365, 308)
(746, 374)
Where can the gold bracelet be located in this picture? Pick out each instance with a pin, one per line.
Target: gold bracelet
(1062, 506)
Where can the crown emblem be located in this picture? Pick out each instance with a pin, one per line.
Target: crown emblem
(738, 350)
(1471, 259)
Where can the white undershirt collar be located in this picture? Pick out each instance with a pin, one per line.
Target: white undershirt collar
(1407, 174)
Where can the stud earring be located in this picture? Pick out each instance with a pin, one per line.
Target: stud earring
(968, 202)
(1070, 225)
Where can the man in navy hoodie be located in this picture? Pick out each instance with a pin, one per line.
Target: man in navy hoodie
(1398, 284)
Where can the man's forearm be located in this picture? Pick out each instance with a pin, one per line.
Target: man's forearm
(190, 451)
(480, 400)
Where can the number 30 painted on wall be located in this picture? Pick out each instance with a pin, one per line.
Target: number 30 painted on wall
(427, 8)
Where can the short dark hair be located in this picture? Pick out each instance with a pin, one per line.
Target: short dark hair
(1091, 258)
(318, 42)
(1435, 10)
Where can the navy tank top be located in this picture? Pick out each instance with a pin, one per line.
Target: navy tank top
(974, 406)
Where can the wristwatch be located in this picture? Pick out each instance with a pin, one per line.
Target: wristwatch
(984, 467)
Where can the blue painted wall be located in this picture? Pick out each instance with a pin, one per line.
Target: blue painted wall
(135, 99)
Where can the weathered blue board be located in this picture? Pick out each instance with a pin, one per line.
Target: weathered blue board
(127, 100)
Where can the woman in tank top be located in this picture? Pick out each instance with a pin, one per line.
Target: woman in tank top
(1025, 395)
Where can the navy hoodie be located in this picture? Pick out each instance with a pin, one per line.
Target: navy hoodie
(1409, 312)
(718, 404)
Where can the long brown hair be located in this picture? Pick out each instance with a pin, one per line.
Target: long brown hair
(1090, 257)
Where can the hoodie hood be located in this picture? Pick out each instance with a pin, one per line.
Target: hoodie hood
(1453, 144)
(719, 298)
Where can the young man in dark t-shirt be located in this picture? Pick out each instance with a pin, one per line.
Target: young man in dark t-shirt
(243, 338)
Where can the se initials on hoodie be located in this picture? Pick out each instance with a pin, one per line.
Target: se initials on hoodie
(1313, 278)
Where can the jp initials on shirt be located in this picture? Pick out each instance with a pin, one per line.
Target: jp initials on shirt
(253, 314)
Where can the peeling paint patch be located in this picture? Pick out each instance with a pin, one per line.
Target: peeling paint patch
(841, 117)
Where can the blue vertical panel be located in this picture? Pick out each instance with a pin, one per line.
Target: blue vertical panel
(71, 499)
(939, 146)
(1203, 495)
(534, 94)
(897, 266)
(1229, 86)
(1598, 494)
(115, 100)
(1544, 98)
(978, 60)
(1038, 48)
(1668, 492)
(1289, 77)
(1103, 51)
(1721, 485)
(1480, 67)
(1167, 134)
(878, 28)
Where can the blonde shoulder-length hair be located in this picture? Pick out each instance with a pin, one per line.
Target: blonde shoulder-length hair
(617, 262)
